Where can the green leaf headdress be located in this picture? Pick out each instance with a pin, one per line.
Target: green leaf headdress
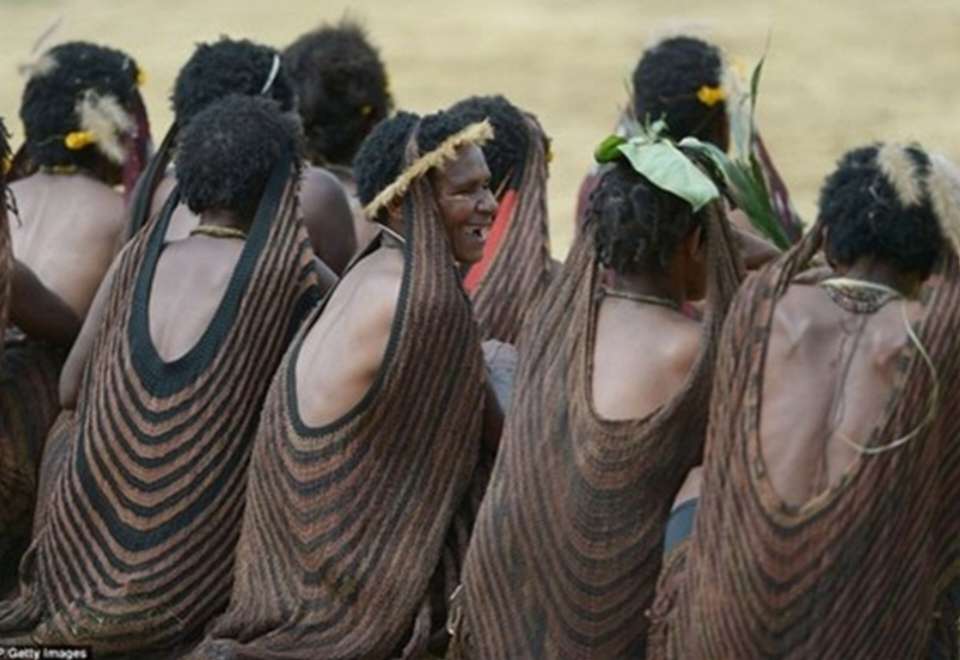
(658, 159)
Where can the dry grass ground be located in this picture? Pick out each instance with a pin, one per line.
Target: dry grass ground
(839, 73)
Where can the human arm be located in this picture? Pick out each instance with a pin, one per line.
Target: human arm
(72, 372)
(327, 218)
(755, 251)
(38, 311)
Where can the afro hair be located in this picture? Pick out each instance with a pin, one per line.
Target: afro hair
(228, 151)
(506, 154)
(862, 206)
(341, 87)
(637, 226)
(665, 85)
(436, 128)
(379, 161)
(229, 67)
(60, 80)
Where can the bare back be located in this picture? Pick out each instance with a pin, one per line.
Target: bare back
(642, 357)
(67, 233)
(342, 353)
(828, 375)
(190, 280)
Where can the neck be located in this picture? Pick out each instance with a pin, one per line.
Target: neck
(655, 285)
(869, 269)
(222, 219)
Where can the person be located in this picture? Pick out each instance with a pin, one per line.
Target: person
(84, 133)
(343, 92)
(566, 549)
(138, 534)
(379, 429)
(240, 66)
(829, 485)
(516, 267)
(681, 80)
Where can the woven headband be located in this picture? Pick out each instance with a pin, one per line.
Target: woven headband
(476, 134)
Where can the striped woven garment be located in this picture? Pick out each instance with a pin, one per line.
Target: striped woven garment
(516, 267)
(354, 532)
(566, 549)
(860, 571)
(29, 404)
(139, 531)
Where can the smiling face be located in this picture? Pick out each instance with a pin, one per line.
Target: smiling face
(467, 206)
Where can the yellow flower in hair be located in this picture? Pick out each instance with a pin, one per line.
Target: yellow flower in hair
(141, 77)
(366, 110)
(710, 96)
(5, 165)
(79, 139)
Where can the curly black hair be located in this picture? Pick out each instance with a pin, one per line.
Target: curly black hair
(665, 85)
(225, 67)
(437, 127)
(228, 151)
(864, 216)
(48, 107)
(341, 87)
(506, 153)
(637, 226)
(380, 158)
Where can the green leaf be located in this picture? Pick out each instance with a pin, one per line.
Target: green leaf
(669, 169)
(608, 150)
(746, 186)
(755, 85)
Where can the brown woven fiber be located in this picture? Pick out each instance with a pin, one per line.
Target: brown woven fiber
(861, 570)
(354, 532)
(136, 547)
(568, 541)
(520, 270)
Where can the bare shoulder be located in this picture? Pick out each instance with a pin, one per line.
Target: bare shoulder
(106, 206)
(377, 288)
(801, 312)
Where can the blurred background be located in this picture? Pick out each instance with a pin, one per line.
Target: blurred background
(837, 74)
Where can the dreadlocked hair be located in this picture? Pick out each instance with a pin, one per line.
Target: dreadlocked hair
(379, 161)
(877, 203)
(507, 151)
(66, 79)
(666, 82)
(228, 151)
(342, 89)
(637, 226)
(226, 67)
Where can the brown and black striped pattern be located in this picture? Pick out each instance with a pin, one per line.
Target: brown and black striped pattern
(860, 571)
(352, 527)
(29, 403)
(520, 271)
(566, 551)
(139, 531)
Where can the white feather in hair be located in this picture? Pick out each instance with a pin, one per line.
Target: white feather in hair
(900, 171)
(104, 118)
(943, 185)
